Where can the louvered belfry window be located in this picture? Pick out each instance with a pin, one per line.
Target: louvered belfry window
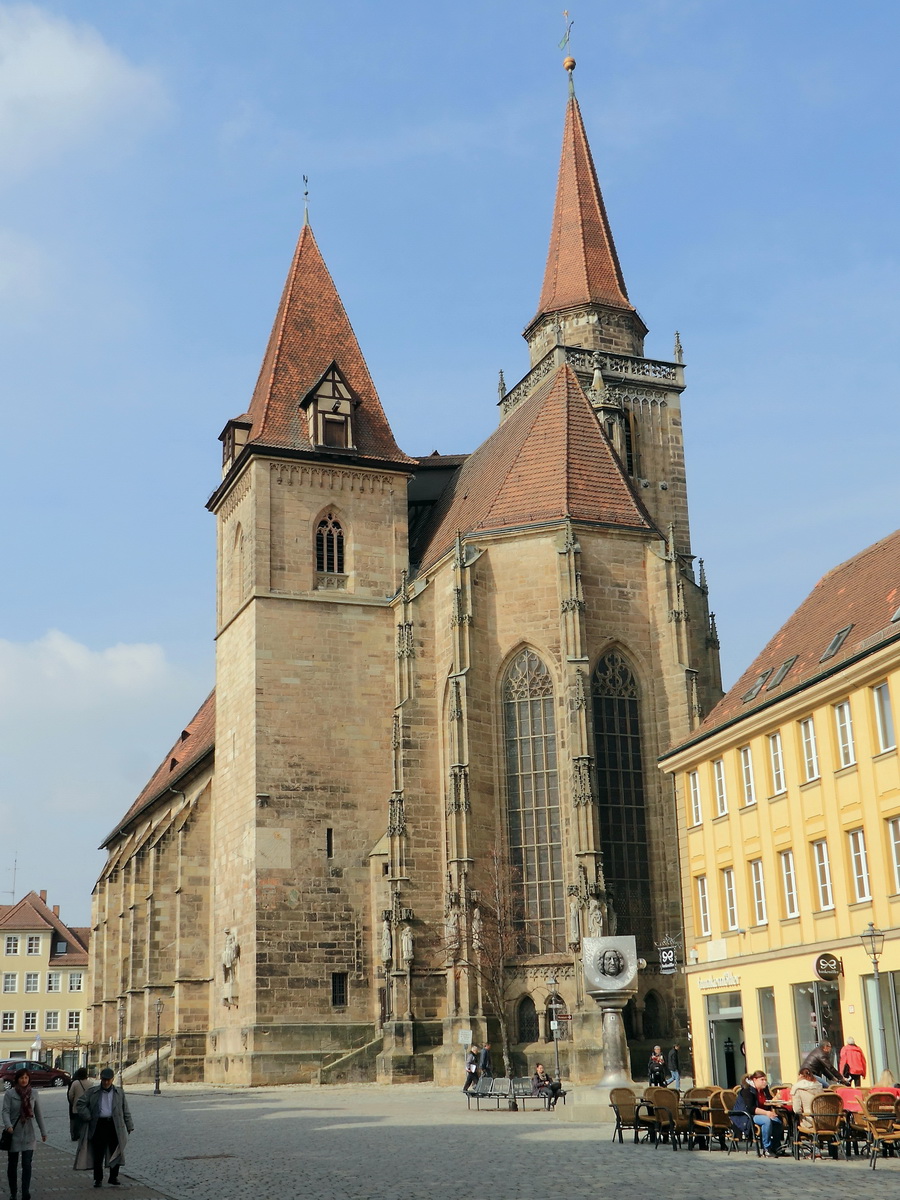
(621, 795)
(532, 806)
(330, 546)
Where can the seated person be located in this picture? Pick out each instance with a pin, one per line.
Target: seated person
(753, 1099)
(803, 1092)
(543, 1084)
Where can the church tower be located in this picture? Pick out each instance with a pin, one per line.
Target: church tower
(312, 536)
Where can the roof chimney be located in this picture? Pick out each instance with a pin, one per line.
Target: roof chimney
(56, 910)
(43, 896)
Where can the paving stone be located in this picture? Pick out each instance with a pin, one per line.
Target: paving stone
(418, 1142)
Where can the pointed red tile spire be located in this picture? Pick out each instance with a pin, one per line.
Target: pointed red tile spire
(311, 332)
(582, 264)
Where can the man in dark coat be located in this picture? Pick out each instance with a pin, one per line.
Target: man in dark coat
(107, 1124)
(819, 1062)
(672, 1062)
(485, 1066)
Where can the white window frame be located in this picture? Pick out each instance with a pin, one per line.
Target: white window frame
(51, 1020)
(894, 835)
(703, 906)
(823, 875)
(76, 981)
(746, 755)
(757, 878)
(12, 944)
(10, 982)
(776, 761)
(33, 943)
(8, 1022)
(859, 865)
(32, 981)
(721, 787)
(29, 1020)
(693, 781)
(810, 750)
(884, 717)
(73, 1020)
(54, 981)
(730, 897)
(843, 723)
(789, 884)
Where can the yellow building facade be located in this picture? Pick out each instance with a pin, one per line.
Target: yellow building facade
(789, 838)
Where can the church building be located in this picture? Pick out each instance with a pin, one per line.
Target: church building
(442, 687)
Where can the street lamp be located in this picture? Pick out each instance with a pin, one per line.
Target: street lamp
(159, 1008)
(554, 1005)
(873, 940)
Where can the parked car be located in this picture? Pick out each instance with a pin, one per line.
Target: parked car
(41, 1074)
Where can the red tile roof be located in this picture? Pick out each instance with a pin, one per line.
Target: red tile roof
(863, 592)
(548, 460)
(32, 913)
(582, 264)
(311, 332)
(196, 741)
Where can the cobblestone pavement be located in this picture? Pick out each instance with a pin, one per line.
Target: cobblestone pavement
(412, 1143)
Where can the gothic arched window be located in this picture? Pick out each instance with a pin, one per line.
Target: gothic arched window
(620, 795)
(329, 546)
(527, 1021)
(532, 806)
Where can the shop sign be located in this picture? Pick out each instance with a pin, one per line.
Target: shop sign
(726, 980)
(668, 960)
(828, 966)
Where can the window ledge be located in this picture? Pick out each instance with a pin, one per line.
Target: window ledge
(823, 912)
(723, 817)
(890, 752)
(790, 920)
(778, 796)
(810, 783)
(848, 770)
(860, 904)
(331, 581)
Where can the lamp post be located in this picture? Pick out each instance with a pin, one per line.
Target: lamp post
(873, 940)
(159, 1008)
(77, 1049)
(554, 1006)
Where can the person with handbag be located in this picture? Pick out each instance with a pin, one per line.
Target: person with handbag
(77, 1088)
(471, 1067)
(105, 1126)
(21, 1108)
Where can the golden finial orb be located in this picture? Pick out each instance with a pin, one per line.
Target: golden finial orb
(569, 63)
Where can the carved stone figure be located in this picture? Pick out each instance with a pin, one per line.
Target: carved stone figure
(477, 930)
(575, 922)
(451, 930)
(387, 947)
(595, 918)
(406, 944)
(230, 956)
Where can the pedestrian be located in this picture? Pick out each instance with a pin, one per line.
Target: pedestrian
(819, 1062)
(674, 1080)
(77, 1088)
(852, 1062)
(543, 1084)
(656, 1068)
(753, 1100)
(485, 1066)
(106, 1124)
(21, 1108)
(471, 1067)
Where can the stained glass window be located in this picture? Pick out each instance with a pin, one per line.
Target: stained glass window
(532, 805)
(621, 795)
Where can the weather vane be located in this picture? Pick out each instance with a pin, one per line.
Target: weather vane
(305, 199)
(569, 61)
(565, 38)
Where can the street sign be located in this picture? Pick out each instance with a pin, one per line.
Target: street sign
(564, 1016)
(554, 1025)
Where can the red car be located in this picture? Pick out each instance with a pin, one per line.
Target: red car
(41, 1074)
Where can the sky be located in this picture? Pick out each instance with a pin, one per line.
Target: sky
(151, 193)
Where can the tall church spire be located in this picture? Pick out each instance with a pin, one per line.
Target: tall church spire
(582, 264)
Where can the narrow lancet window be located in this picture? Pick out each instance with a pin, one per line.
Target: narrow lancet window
(329, 546)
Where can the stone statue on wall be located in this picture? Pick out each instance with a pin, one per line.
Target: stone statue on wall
(595, 918)
(406, 944)
(387, 947)
(574, 922)
(477, 930)
(230, 955)
(451, 931)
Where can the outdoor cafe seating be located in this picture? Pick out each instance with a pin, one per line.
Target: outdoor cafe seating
(843, 1122)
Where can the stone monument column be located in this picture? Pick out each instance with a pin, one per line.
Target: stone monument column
(610, 978)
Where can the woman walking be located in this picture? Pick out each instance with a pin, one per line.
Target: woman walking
(21, 1108)
(77, 1088)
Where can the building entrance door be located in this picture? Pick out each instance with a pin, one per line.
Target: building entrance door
(725, 1020)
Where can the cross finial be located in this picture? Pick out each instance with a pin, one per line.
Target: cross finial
(305, 199)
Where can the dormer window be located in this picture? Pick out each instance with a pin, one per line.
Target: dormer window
(329, 409)
(836, 642)
(233, 438)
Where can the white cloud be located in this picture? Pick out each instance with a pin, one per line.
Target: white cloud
(81, 730)
(62, 85)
